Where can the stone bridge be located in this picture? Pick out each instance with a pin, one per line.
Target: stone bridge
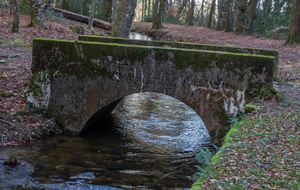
(78, 82)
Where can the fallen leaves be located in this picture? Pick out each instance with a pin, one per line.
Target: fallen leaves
(269, 157)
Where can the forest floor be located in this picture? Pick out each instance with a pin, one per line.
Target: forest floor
(266, 151)
(262, 149)
(18, 122)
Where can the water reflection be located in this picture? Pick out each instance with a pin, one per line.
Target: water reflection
(158, 123)
(138, 36)
(148, 143)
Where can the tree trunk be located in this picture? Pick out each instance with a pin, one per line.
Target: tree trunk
(106, 10)
(124, 18)
(211, 12)
(180, 10)
(240, 18)
(294, 31)
(31, 24)
(143, 6)
(12, 4)
(191, 14)
(148, 15)
(157, 16)
(84, 19)
(92, 15)
(38, 12)
(145, 11)
(72, 5)
(267, 9)
(15, 27)
(154, 12)
(250, 15)
(202, 8)
(80, 4)
(220, 18)
(226, 15)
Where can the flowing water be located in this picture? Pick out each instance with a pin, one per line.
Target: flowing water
(148, 142)
(138, 36)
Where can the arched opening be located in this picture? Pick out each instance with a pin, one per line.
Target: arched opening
(152, 121)
(151, 137)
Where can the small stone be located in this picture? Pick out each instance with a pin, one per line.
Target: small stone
(249, 108)
(5, 94)
(279, 96)
(2, 61)
(3, 76)
(22, 112)
(77, 29)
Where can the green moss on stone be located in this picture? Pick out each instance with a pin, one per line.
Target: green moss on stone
(212, 132)
(221, 133)
(267, 92)
(77, 29)
(22, 112)
(279, 96)
(249, 108)
(3, 76)
(5, 94)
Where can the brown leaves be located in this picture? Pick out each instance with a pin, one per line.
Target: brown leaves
(268, 157)
(13, 161)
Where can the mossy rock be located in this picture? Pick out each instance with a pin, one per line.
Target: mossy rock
(2, 62)
(5, 94)
(267, 92)
(279, 96)
(221, 133)
(22, 112)
(77, 29)
(212, 132)
(249, 108)
(3, 76)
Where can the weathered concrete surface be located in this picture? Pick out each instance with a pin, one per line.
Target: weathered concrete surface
(73, 80)
(184, 46)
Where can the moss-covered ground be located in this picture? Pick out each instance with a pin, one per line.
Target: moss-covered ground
(261, 151)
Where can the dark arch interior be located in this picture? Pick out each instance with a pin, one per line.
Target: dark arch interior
(98, 116)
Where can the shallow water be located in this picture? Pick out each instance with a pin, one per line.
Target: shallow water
(149, 142)
(138, 36)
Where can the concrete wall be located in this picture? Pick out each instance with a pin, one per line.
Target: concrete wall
(73, 80)
(184, 45)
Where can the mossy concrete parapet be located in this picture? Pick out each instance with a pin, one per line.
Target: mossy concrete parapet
(183, 45)
(73, 80)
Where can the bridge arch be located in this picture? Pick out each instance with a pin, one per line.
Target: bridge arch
(107, 110)
(72, 80)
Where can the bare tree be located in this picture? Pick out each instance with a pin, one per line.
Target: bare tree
(211, 12)
(90, 25)
(124, 18)
(220, 18)
(180, 10)
(107, 10)
(266, 10)
(240, 18)
(80, 4)
(227, 12)
(250, 15)
(15, 27)
(294, 31)
(191, 14)
(157, 15)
